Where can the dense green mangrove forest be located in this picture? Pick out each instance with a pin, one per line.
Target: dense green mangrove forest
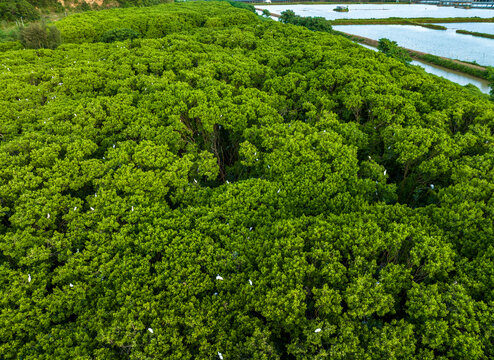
(192, 181)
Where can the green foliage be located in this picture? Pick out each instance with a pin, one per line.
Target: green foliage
(40, 36)
(311, 23)
(118, 35)
(251, 189)
(153, 22)
(10, 35)
(11, 10)
(391, 49)
(490, 77)
(10, 45)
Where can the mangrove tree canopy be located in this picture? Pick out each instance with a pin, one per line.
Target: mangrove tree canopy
(225, 186)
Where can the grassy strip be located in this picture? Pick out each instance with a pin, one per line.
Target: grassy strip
(404, 21)
(452, 65)
(430, 26)
(473, 33)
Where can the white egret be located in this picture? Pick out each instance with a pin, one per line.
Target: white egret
(48, 216)
(151, 330)
(92, 209)
(218, 277)
(250, 282)
(28, 277)
(71, 285)
(75, 208)
(432, 186)
(385, 171)
(317, 330)
(220, 355)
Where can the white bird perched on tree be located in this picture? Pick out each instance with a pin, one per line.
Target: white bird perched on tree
(432, 186)
(278, 191)
(195, 181)
(75, 208)
(92, 209)
(218, 277)
(151, 330)
(28, 277)
(250, 282)
(132, 209)
(48, 216)
(71, 285)
(220, 355)
(114, 146)
(317, 330)
(385, 171)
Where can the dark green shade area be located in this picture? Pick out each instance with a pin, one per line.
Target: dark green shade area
(239, 186)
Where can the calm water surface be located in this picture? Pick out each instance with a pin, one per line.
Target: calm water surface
(380, 11)
(486, 28)
(445, 43)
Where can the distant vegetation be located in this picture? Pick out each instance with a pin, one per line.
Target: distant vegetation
(231, 187)
(429, 26)
(11, 10)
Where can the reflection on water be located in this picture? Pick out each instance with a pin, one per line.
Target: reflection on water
(451, 75)
(380, 11)
(441, 43)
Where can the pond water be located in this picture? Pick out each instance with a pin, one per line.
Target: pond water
(486, 28)
(445, 43)
(451, 75)
(380, 11)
